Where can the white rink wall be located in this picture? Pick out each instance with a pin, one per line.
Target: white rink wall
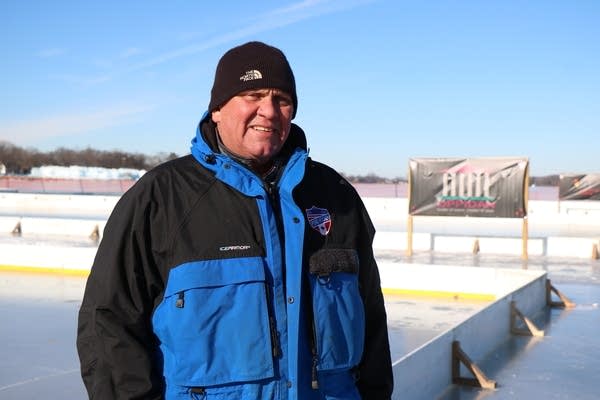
(47, 256)
(494, 282)
(478, 335)
(57, 205)
(569, 229)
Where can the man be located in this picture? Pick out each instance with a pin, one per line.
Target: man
(242, 271)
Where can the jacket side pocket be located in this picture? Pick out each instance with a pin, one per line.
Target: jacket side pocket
(338, 310)
(213, 323)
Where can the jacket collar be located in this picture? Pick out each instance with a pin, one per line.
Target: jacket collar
(205, 150)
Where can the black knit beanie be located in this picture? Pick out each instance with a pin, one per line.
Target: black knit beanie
(253, 65)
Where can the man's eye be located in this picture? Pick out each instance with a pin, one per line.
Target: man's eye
(284, 101)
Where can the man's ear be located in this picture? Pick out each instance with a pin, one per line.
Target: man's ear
(216, 116)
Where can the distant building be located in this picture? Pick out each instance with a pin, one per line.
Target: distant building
(79, 172)
(2, 169)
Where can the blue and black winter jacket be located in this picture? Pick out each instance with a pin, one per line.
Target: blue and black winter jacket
(211, 284)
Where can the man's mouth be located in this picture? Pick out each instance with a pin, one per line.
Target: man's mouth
(262, 128)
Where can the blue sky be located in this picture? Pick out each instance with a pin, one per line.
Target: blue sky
(378, 81)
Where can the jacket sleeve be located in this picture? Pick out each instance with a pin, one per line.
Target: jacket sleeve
(375, 378)
(117, 349)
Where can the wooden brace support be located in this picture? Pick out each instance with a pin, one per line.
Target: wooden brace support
(531, 329)
(564, 303)
(95, 235)
(17, 231)
(476, 247)
(480, 380)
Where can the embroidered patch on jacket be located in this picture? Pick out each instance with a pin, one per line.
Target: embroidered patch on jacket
(251, 75)
(319, 219)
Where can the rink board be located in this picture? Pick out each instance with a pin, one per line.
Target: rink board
(426, 372)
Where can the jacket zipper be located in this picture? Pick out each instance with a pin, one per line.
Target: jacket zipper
(312, 332)
(271, 189)
(315, 356)
(180, 300)
(276, 348)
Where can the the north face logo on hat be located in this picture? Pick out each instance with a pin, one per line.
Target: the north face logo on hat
(251, 75)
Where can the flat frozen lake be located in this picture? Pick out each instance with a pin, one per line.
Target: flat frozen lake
(39, 313)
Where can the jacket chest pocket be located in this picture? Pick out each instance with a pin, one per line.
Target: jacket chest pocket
(213, 323)
(338, 311)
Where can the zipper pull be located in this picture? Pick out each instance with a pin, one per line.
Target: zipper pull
(198, 393)
(315, 382)
(274, 338)
(179, 303)
(276, 349)
(270, 189)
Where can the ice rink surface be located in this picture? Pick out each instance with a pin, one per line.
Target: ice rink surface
(37, 332)
(564, 364)
(39, 312)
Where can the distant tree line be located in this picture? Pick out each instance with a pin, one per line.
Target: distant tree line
(548, 180)
(371, 178)
(18, 160)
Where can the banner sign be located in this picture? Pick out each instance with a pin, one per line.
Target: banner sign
(476, 187)
(579, 187)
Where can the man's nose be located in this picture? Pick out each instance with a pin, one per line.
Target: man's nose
(268, 107)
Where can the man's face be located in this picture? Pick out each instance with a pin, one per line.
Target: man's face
(256, 123)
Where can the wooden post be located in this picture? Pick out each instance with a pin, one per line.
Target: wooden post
(525, 236)
(409, 236)
(409, 227)
(525, 228)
